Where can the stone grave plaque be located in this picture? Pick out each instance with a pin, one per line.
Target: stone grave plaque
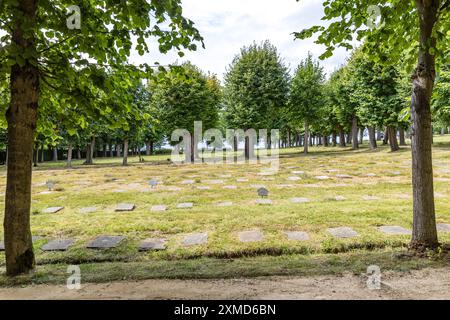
(185, 205)
(299, 200)
(394, 230)
(443, 227)
(342, 232)
(58, 245)
(87, 210)
(158, 208)
(251, 236)
(152, 244)
(125, 207)
(194, 239)
(105, 242)
(266, 202)
(225, 204)
(297, 235)
(52, 209)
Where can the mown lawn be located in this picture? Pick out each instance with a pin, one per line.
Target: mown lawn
(378, 173)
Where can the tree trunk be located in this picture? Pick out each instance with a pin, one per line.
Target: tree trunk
(21, 117)
(401, 133)
(147, 148)
(55, 154)
(392, 134)
(378, 134)
(372, 139)
(334, 139)
(386, 136)
(42, 158)
(69, 156)
(125, 152)
(104, 150)
(325, 140)
(361, 135)
(355, 133)
(305, 146)
(35, 156)
(78, 153)
(424, 233)
(249, 149)
(342, 138)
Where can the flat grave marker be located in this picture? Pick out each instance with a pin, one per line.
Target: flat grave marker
(185, 205)
(152, 244)
(52, 209)
(297, 235)
(125, 207)
(443, 227)
(194, 239)
(158, 208)
(105, 242)
(251, 236)
(58, 245)
(342, 232)
(394, 230)
(299, 200)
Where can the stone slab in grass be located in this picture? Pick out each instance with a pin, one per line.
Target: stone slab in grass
(119, 191)
(158, 208)
(185, 205)
(105, 242)
(370, 198)
(225, 204)
(125, 207)
(251, 236)
(87, 210)
(443, 227)
(172, 188)
(152, 244)
(195, 239)
(340, 198)
(298, 172)
(45, 192)
(188, 182)
(299, 200)
(230, 187)
(58, 245)
(33, 238)
(204, 188)
(342, 232)
(264, 202)
(213, 181)
(242, 180)
(394, 230)
(257, 186)
(371, 175)
(344, 176)
(322, 177)
(297, 235)
(52, 209)
(294, 178)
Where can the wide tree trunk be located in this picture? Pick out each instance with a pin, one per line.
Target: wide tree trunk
(424, 233)
(392, 134)
(125, 152)
(69, 155)
(55, 154)
(90, 151)
(342, 138)
(401, 134)
(355, 133)
(372, 139)
(325, 140)
(21, 116)
(249, 148)
(305, 146)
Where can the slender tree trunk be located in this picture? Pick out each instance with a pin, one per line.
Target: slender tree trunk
(325, 140)
(392, 134)
(386, 136)
(21, 117)
(42, 158)
(372, 139)
(125, 152)
(355, 133)
(147, 148)
(401, 133)
(111, 152)
(361, 135)
(424, 233)
(78, 154)
(93, 150)
(104, 150)
(334, 139)
(55, 154)
(341, 138)
(305, 146)
(69, 155)
(378, 134)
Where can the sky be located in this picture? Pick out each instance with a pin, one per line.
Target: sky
(228, 25)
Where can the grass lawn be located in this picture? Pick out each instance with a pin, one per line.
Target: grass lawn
(105, 184)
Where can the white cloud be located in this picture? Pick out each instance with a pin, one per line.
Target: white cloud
(228, 25)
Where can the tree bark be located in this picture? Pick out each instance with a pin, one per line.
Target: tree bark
(361, 135)
(372, 139)
(125, 152)
(392, 134)
(69, 155)
(342, 138)
(305, 146)
(42, 158)
(78, 153)
(334, 139)
(55, 154)
(386, 136)
(21, 117)
(424, 233)
(401, 133)
(378, 134)
(355, 133)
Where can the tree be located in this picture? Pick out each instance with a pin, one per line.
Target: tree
(441, 99)
(306, 95)
(256, 89)
(40, 49)
(411, 31)
(182, 97)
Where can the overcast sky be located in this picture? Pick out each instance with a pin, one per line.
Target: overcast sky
(227, 25)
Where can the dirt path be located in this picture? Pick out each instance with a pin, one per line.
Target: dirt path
(422, 284)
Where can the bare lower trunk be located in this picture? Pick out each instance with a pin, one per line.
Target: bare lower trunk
(125, 152)
(355, 133)
(392, 134)
(386, 136)
(401, 133)
(90, 151)
(79, 154)
(325, 141)
(305, 147)
(341, 138)
(55, 154)
(424, 233)
(69, 156)
(361, 135)
(334, 139)
(21, 117)
(378, 134)
(372, 140)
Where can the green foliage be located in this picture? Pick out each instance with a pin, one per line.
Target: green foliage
(441, 99)
(180, 97)
(256, 87)
(307, 92)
